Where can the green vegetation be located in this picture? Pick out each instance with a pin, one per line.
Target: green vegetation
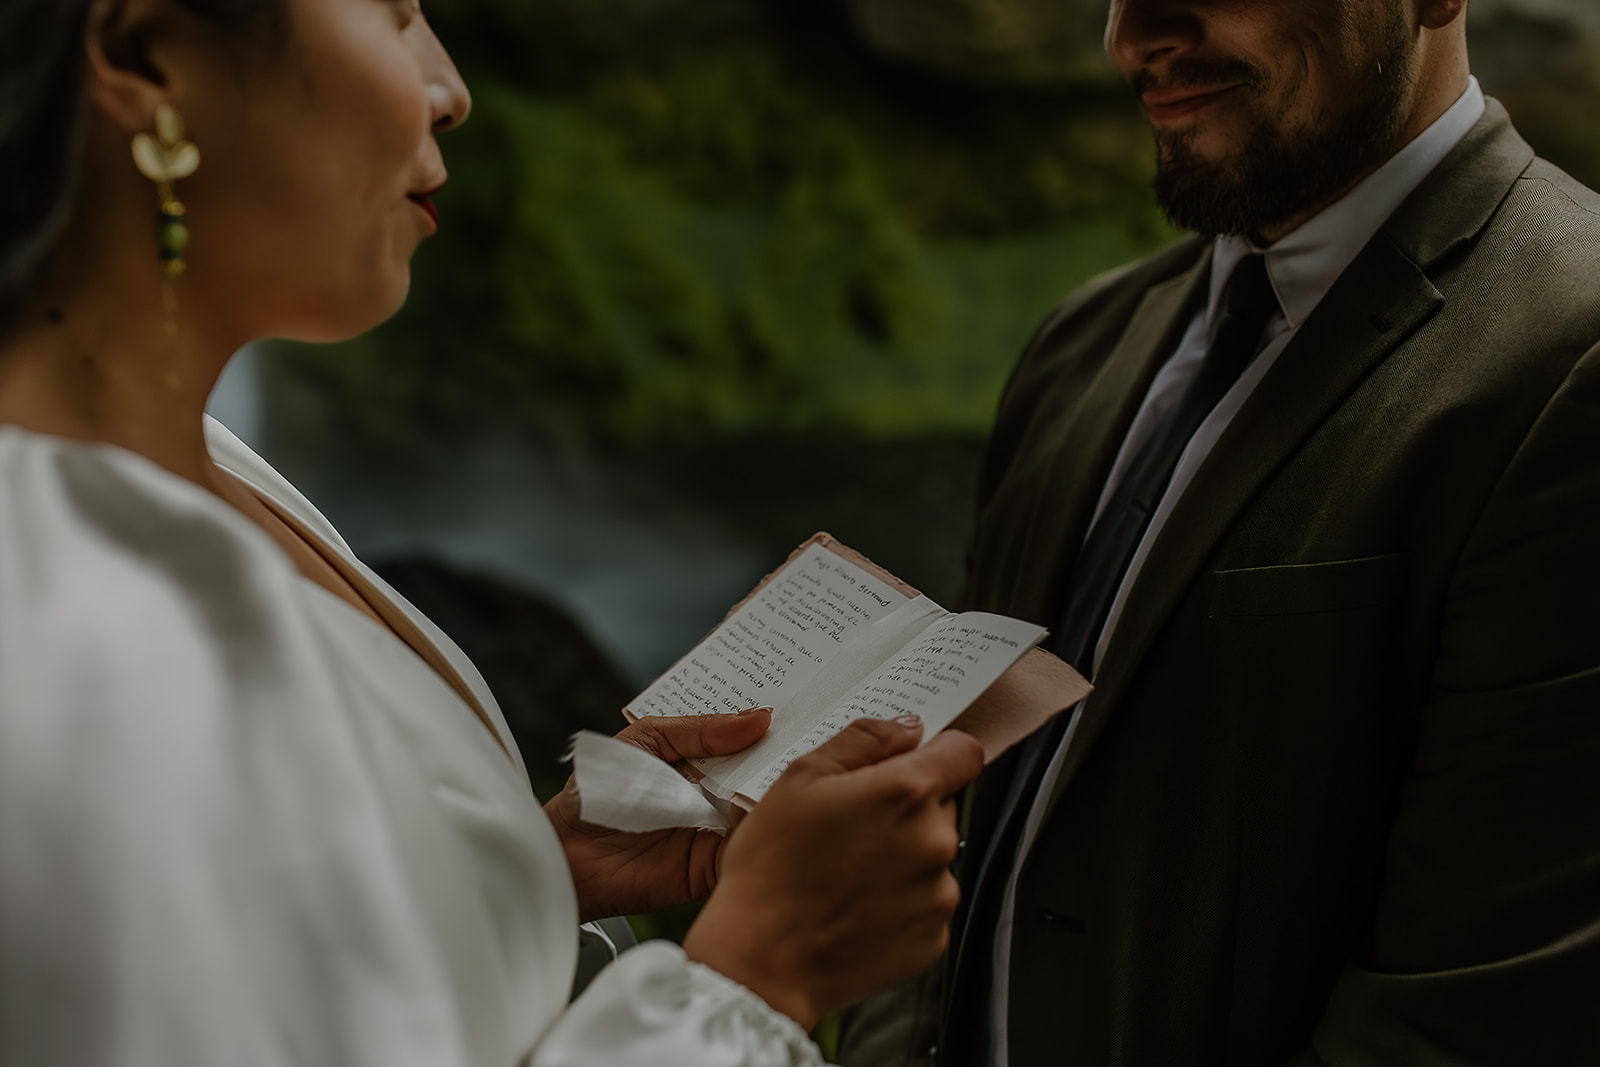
(730, 234)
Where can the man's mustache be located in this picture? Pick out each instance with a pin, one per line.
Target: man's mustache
(1198, 72)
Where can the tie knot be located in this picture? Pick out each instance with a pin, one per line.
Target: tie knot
(1251, 297)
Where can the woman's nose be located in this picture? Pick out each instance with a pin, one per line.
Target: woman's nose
(451, 100)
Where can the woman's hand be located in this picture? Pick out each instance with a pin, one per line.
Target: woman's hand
(618, 873)
(838, 884)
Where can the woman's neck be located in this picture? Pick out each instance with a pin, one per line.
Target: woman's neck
(91, 372)
(93, 360)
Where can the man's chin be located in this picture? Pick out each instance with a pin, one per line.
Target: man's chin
(1207, 195)
(1215, 185)
(1218, 140)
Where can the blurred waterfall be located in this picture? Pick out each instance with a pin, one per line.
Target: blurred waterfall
(639, 568)
(236, 402)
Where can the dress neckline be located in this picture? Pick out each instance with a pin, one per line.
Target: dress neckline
(404, 629)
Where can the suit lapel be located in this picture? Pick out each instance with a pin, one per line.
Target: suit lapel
(1380, 301)
(1084, 431)
(1310, 380)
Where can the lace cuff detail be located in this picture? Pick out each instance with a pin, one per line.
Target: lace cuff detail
(653, 1006)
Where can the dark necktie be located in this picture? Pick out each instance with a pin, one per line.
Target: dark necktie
(1096, 577)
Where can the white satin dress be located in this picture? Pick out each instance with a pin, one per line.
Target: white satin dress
(241, 824)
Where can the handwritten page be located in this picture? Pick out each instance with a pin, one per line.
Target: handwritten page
(873, 645)
(935, 676)
(773, 646)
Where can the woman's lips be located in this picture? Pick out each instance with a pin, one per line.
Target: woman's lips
(1176, 104)
(428, 209)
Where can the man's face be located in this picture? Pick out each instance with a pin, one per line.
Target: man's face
(1264, 110)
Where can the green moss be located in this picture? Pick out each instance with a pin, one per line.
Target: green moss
(725, 241)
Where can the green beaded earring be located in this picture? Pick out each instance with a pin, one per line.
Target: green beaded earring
(164, 159)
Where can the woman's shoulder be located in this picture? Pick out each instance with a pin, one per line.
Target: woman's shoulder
(240, 460)
(190, 807)
(153, 643)
(111, 567)
(64, 501)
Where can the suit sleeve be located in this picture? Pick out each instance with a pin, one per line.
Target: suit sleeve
(1486, 943)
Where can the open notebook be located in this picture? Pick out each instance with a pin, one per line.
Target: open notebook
(826, 639)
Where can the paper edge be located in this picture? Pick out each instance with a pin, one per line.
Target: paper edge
(1034, 690)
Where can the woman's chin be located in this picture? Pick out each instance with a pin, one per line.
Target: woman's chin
(344, 323)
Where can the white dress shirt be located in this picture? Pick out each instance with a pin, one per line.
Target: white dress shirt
(1303, 266)
(245, 824)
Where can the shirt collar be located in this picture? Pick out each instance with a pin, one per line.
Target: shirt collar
(1304, 265)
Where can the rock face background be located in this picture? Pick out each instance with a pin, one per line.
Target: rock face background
(1058, 42)
(1028, 42)
(1542, 59)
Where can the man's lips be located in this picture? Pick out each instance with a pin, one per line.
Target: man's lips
(1172, 104)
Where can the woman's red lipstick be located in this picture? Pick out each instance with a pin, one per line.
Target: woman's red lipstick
(424, 200)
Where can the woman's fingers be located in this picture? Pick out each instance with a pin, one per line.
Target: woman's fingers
(949, 761)
(839, 884)
(861, 744)
(694, 736)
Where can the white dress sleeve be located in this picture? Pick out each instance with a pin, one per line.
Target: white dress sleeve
(653, 1006)
(241, 824)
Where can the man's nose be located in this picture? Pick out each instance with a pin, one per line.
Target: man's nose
(1142, 32)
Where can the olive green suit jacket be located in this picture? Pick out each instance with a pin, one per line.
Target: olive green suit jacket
(1336, 798)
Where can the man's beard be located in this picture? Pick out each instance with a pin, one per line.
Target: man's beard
(1277, 174)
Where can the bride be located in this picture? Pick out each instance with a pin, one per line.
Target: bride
(254, 808)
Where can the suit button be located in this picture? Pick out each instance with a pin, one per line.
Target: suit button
(1064, 922)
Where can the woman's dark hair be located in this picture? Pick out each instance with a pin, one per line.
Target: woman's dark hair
(41, 122)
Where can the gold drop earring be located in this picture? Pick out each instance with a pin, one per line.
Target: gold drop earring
(164, 159)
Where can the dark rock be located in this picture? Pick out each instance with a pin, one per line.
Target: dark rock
(547, 674)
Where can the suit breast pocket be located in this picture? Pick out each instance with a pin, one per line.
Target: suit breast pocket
(1306, 655)
(1309, 588)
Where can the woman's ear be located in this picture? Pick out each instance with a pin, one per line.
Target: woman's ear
(127, 56)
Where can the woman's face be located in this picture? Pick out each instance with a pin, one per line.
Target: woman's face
(316, 164)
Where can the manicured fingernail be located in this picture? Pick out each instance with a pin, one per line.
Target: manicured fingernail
(753, 711)
(910, 722)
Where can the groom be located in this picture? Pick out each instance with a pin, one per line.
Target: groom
(1315, 496)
